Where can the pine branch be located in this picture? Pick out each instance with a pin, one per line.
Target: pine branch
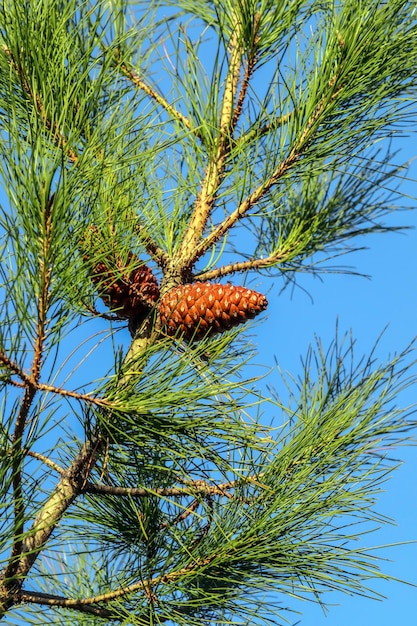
(14, 383)
(31, 383)
(144, 585)
(138, 82)
(217, 162)
(196, 487)
(15, 368)
(66, 393)
(69, 487)
(152, 248)
(245, 266)
(182, 516)
(47, 599)
(283, 167)
(215, 554)
(46, 460)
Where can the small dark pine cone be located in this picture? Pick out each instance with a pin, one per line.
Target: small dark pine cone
(200, 309)
(130, 294)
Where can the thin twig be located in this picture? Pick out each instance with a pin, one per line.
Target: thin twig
(250, 66)
(181, 516)
(105, 316)
(15, 383)
(244, 266)
(66, 393)
(74, 394)
(30, 381)
(245, 206)
(46, 460)
(15, 368)
(143, 585)
(140, 84)
(155, 252)
(256, 133)
(48, 599)
(29, 394)
(198, 487)
(243, 91)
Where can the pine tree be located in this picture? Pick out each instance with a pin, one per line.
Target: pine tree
(150, 152)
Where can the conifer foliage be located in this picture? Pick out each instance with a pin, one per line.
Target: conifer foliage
(163, 166)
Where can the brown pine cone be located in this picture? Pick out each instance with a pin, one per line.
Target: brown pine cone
(200, 309)
(130, 294)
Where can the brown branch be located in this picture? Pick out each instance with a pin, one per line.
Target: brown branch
(158, 255)
(244, 266)
(197, 487)
(143, 585)
(31, 383)
(66, 393)
(246, 205)
(15, 368)
(74, 394)
(48, 599)
(15, 383)
(243, 91)
(181, 516)
(248, 71)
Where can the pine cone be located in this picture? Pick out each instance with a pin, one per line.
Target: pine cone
(204, 308)
(130, 294)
